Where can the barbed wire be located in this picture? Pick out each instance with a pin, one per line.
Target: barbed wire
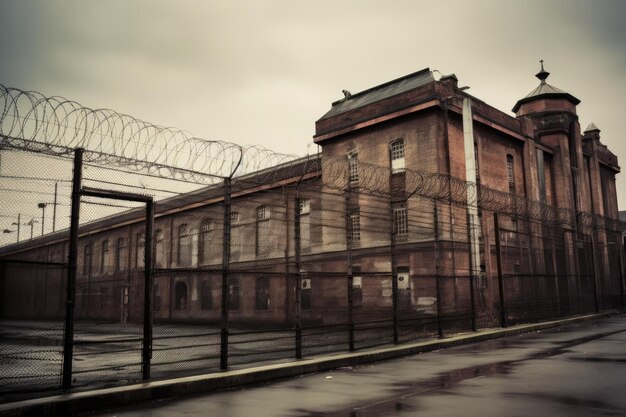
(32, 122)
(376, 180)
(56, 126)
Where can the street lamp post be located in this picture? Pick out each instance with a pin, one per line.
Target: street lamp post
(31, 223)
(42, 206)
(18, 224)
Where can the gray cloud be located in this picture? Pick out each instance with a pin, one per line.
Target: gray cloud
(263, 72)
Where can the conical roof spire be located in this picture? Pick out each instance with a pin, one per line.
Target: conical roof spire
(543, 74)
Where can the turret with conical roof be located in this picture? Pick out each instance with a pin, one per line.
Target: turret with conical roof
(545, 98)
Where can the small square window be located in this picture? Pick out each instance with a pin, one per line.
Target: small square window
(305, 206)
(263, 213)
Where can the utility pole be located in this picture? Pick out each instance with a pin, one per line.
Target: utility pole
(54, 207)
(42, 206)
(31, 223)
(19, 222)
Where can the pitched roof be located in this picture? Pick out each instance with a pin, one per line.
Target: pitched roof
(380, 92)
(545, 90)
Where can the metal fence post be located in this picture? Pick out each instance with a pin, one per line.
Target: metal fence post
(472, 268)
(350, 276)
(496, 226)
(557, 295)
(147, 293)
(225, 265)
(576, 271)
(437, 276)
(394, 276)
(594, 265)
(297, 249)
(68, 337)
(620, 274)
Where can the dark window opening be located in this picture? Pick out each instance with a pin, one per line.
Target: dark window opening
(180, 294)
(306, 300)
(263, 293)
(233, 294)
(206, 296)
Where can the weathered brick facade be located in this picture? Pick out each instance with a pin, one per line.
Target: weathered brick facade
(539, 154)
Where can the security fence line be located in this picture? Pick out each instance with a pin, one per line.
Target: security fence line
(186, 256)
(458, 297)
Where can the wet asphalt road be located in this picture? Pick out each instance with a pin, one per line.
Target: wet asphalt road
(579, 370)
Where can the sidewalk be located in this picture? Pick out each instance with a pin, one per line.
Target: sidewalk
(70, 403)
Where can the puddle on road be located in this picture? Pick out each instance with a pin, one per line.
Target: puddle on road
(449, 380)
(569, 401)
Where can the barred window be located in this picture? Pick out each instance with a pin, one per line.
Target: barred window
(184, 245)
(140, 252)
(121, 255)
(396, 149)
(104, 257)
(305, 206)
(263, 231)
(206, 227)
(263, 213)
(355, 225)
(400, 226)
(510, 172)
(236, 236)
(87, 260)
(353, 167)
(159, 249)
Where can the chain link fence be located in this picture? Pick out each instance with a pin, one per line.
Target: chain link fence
(187, 257)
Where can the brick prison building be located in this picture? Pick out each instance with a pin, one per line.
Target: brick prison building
(424, 201)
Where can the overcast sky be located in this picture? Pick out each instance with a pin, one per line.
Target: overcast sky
(262, 72)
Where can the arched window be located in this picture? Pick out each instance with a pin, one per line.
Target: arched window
(206, 227)
(87, 260)
(396, 154)
(104, 257)
(140, 250)
(121, 254)
(184, 245)
(159, 249)
(180, 294)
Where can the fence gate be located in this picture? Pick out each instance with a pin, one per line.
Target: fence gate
(96, 351)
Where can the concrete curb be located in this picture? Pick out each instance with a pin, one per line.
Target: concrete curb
(77, 402)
